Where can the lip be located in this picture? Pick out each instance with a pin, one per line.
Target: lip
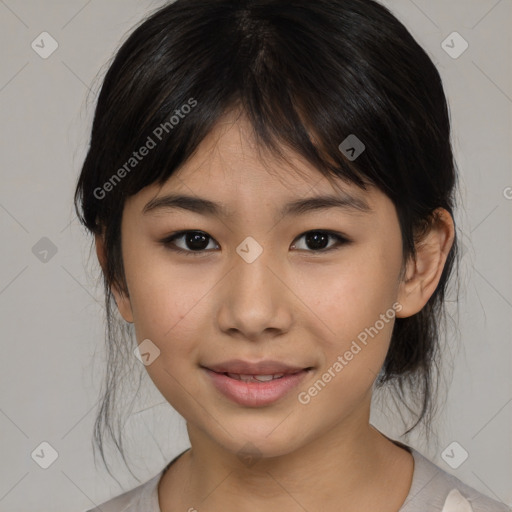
(255, 394)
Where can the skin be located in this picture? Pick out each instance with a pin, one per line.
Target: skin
(292, 304)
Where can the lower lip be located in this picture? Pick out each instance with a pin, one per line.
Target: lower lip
(255, 394)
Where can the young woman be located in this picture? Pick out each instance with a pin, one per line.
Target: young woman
(270, 185)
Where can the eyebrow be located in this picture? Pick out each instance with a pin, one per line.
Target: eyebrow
(298, 207)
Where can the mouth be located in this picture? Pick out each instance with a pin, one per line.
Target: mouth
(255, 378)
(255, 385)
(266, 368)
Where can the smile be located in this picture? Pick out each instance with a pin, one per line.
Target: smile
(255, 390)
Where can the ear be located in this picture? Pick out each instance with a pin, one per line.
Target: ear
(122, 300)
(423, 273)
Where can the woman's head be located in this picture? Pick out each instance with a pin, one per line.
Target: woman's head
(255, 105)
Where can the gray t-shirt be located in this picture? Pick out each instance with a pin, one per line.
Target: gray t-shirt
(432, 490)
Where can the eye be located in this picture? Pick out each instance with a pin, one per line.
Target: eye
(317, 241)
(195, 242)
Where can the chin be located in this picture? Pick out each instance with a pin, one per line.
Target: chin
(261, 439)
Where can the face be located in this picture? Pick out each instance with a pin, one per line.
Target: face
(249, 290)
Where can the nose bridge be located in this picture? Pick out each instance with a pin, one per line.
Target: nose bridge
(254, 299)
(252, 269)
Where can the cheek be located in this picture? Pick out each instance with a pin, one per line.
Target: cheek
(354, 302)
(169, 308)
(161, 294)
(353, 295)
(357, 307)
(166, 303)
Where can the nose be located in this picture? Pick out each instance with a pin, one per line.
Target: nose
(254, 300)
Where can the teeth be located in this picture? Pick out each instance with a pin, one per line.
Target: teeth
(264, 378)
(255, 378)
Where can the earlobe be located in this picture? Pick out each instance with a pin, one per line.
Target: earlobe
(422, 273)
(122, 300)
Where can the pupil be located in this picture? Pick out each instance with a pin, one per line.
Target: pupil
(312, 239)
(197, 241)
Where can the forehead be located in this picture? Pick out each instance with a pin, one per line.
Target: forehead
(230, 153)
(230, 168)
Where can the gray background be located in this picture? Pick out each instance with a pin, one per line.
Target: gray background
(51, 311)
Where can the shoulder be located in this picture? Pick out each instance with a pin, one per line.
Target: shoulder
(144, 497)
(434, 489)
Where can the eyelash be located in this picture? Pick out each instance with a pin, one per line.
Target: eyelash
(168, 242)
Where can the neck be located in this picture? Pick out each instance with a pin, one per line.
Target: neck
(344, 469)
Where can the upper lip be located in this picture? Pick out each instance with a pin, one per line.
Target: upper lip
(266, 367)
